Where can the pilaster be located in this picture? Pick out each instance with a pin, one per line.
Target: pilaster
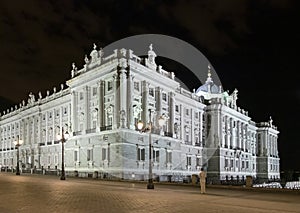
(74, 111)
(145, 95)
(171, 113)
(158, 104)
(101, 90)
(123, 95)
(116, 88)
(86, 109)
(130, 119)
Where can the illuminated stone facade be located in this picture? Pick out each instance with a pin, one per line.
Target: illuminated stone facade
(100, 108)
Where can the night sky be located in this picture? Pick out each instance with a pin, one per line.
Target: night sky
(253, 46)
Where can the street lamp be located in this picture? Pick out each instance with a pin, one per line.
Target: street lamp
(148, 128)
(63, 137)
(18, 143)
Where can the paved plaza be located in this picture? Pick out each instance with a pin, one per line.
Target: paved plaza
(37, 193)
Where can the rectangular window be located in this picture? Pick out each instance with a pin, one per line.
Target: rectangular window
(196, 115)
(141, 154)
(164, 96)
(104, 154)
(187, 111)
(231, 163)
(136, 86)
(198, 161)
(176, 108)
(187, 138)
(155, 156)
(226, 162)
(94, 91)
(151, 92)
(109, 121)
(109, 85)
(94, 124)
(89, 155)
(75, 156)
(169, 157)
(81, 96)
(247, 164)
(55, 159)
(188, 160)
(243, 164)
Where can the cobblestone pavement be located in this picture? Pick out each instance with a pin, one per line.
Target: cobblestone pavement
(34, 193)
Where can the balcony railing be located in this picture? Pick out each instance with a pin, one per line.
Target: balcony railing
(103, 128)
(168, 134)
(77, 133)
(91, 130)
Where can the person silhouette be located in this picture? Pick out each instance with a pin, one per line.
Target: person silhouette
(202, 176)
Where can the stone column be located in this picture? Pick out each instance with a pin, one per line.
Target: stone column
(232, 133)
(265, 147)
(130, 119)
(86, 109)
(228, 131)
(273, 145)
(201, 129)
(158, 105)
(46, 128)
(276, 147)
(101, 113)
(53, 126)
(192, 127)
(27, 131)
(182, 132)
(238, 139)
(225, 131)
(69, 109)
(246, 138)
(74, 112)
(116, 117)
(123, 96)
(32, 127)
(61, 124)
(145, 95)
(40, 128)
(171, 113)
(270, 144)
(242, 137)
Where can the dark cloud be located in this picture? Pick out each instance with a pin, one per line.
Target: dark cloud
(41, 41)
(213, 24)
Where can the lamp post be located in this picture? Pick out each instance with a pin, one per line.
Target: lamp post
(18, 143)
(140, 125)
(63, 137)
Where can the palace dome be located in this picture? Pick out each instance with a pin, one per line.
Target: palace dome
(209, 86)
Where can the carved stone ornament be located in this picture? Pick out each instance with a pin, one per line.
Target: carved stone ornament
(109, 109)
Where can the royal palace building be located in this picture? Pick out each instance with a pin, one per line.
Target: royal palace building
(100, 108)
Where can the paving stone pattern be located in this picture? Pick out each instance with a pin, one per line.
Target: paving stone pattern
(37, 193)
